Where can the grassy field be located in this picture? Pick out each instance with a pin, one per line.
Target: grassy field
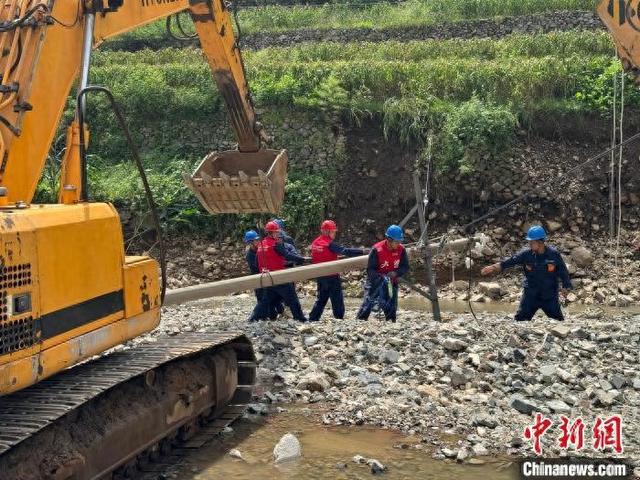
(381, 16)
(378, 16)
(468, 97)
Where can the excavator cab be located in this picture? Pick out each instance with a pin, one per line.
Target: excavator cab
(240, 182)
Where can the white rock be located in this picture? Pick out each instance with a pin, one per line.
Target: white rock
(235, 453)
(287, 449)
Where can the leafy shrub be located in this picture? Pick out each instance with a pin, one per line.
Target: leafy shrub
(474, 132)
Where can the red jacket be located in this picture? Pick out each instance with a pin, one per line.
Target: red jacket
(320, 251)
(268, 258)
(388, 260)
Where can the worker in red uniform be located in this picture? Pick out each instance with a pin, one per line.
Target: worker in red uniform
(388, 261)
(325, 249)
(272, 257)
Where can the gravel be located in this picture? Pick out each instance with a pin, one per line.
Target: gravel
(459, 377)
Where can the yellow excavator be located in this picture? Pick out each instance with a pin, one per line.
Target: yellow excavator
(67, 290)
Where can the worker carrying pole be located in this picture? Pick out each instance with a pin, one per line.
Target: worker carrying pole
(325, 249)
(388, 261)
(272, 256)
(543, 269)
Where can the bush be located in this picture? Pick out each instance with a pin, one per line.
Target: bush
(472, 133)
(306, 197)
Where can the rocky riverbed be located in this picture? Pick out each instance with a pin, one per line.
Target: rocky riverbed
(467, 387)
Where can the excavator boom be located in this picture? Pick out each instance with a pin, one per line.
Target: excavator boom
(46, 45)
(622, 18)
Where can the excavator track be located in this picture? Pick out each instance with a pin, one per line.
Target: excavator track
(107, 415)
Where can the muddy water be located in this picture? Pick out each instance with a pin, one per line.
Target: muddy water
(323, 448)
(420, 304)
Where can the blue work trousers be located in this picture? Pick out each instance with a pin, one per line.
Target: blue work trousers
(274, 308)
(533, 300)
(377, 297)
(328, 288)
(287, 294)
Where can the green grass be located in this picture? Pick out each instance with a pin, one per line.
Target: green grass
(541, 45)
(470, 97)
(380, 16)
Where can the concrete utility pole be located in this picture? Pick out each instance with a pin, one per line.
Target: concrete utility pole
(431, 278)
(308, 272)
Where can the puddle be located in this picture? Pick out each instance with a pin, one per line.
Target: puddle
(322, 449)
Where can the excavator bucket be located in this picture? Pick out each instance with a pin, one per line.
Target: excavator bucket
(240, 182)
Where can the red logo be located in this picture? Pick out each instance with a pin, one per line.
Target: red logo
(607, 433)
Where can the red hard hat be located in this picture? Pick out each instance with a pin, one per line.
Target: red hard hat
(272, 227)
(329, 225)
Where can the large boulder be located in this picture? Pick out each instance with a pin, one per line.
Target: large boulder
(491, 289)
(314, 382)
(582, 256)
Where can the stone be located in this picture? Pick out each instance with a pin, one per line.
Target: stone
(287, 449)
(476, 461)
(582, 256)
(479, 450)
(463, 454)
(548, 373)
(314, 382)
(458, 376)
(454, 344)
(280, 341)
(359, 459)
(484, 420)
(369, 378)
(603, 399)
(636, 383)
(427, 391)
(519, 355)
(449, 453)
(258, 409)
(558, 406)
(341, 466)
(618, 381)
(376, 467)
(478, 298)
(553, 226)
(460, 285)
(235, 453)
(491, 289)
(310, 341)
(523, 405)
(560, 331)
(389, 356)
(404, 367)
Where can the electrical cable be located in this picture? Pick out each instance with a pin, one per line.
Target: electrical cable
(138, 162)
(70, 25)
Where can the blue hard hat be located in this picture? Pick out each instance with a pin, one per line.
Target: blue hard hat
(394, 232)
(280, 223)
(536, 233)
(250, 236)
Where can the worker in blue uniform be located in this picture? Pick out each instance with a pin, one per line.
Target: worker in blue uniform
(252, 240)
(544, 269)
(388, 261)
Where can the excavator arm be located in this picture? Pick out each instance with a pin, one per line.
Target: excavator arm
(622, 18)
(46, 44)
